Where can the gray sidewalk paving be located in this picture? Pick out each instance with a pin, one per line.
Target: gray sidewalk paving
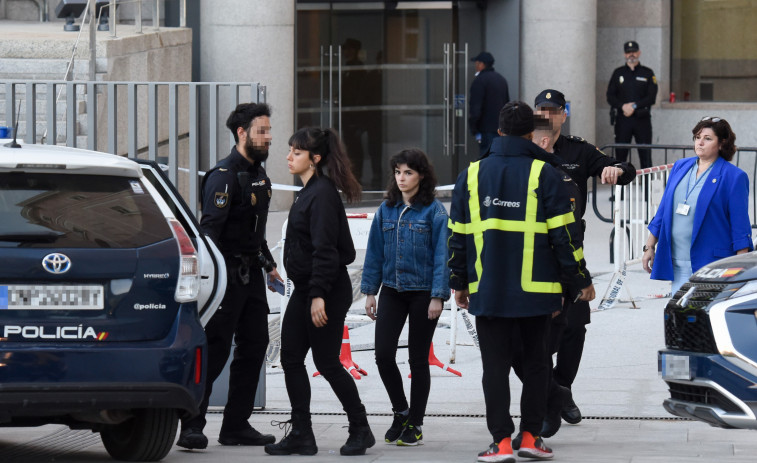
(618, 390)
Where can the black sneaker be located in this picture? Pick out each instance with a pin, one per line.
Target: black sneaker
(244, 436)
(192, 438)
(412, 435)
(298, 439)
(395, 430)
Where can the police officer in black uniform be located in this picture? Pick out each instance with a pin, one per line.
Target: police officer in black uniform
(236, 194)
(580, 160)
(631, 93)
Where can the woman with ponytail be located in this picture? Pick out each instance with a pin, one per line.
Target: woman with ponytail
(317, 250)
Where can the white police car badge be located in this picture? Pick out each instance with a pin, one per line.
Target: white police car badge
(221, 200)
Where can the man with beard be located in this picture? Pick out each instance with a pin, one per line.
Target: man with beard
(236, 194)
(631, 93)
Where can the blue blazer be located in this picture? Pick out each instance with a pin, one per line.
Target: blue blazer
(721, 219)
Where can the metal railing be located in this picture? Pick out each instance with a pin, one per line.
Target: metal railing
(180, 119)
(745, 158)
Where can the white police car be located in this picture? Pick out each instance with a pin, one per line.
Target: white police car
(104, 280)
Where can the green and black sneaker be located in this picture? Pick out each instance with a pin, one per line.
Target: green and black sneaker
(412, 435)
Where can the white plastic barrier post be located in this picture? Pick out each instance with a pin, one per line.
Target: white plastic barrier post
(635, 206)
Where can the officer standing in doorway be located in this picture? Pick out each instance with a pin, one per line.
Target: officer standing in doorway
(236, 194)
(488, 94)
(631, 93)
(580, 160)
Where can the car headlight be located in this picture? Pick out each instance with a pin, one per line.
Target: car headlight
(748, 288)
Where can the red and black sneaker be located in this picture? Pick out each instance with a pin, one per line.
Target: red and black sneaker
(533, 447)
(498, 452)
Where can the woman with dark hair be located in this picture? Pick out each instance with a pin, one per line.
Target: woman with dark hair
(316, 254)
(703, 215)
(407, 259)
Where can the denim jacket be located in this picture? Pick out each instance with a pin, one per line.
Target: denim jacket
(407, 250)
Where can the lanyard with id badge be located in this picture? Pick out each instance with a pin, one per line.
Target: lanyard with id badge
(683, 208)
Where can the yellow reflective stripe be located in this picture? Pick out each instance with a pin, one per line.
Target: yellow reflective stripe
(529, 238)
(578, 254)
(561, 220)
(499, 224)
(457, 227)
(475, 218)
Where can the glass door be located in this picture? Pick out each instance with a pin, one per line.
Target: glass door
(388, 79)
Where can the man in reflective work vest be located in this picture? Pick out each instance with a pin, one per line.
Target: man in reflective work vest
(512, 225)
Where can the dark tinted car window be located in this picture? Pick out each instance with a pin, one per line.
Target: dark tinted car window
(77, 211)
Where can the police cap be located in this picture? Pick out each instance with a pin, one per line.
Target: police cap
(550, 97)
(630, 46)
(485, 57)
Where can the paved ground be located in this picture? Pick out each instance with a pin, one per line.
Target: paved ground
(618, 390)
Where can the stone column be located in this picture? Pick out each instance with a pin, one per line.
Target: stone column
(253, 40)
(559, 44)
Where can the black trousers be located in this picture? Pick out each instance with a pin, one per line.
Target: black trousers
(394, 308)
(299, 335)
(243, 316)
(571, 345)
(639, 129)
(497, 338)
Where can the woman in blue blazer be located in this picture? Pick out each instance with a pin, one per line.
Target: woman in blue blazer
(703, 215)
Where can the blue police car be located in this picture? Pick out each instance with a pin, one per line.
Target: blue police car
(105, 280)
(710, 360)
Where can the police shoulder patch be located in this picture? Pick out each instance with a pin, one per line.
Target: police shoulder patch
(221, 199)
(654, 79)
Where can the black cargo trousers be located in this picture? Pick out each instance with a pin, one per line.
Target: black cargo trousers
(242, 316)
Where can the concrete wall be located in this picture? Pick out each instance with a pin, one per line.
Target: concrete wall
(253, 40)
(558, 51)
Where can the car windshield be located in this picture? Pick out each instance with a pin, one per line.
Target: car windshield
(77, 211)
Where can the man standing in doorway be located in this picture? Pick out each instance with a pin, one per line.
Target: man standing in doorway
(631, 93)
(236, 194)
(488, 94)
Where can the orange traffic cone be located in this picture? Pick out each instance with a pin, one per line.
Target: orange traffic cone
(432, 360)
(345, 357)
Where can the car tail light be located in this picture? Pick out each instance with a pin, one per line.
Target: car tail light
(198, 365)
(188, 284)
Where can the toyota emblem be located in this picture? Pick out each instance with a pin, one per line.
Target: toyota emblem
(56, 263)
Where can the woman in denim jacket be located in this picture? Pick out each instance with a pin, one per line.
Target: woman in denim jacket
(407, 255)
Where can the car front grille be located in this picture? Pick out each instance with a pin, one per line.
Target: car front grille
(702, 395)
(688, 327)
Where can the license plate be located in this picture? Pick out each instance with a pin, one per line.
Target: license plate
(51, 297)
(675, 366)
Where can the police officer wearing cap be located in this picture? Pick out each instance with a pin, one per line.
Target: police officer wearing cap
(631, 93)
(236, 194)
(488, 94)
(580, 160)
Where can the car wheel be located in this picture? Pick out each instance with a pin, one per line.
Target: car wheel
(148, 436)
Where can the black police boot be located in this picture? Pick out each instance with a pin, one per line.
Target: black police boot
(244, 435)
(552, 421)
(570, 412)
(298, 438)
(361, 438)
(192, 438)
